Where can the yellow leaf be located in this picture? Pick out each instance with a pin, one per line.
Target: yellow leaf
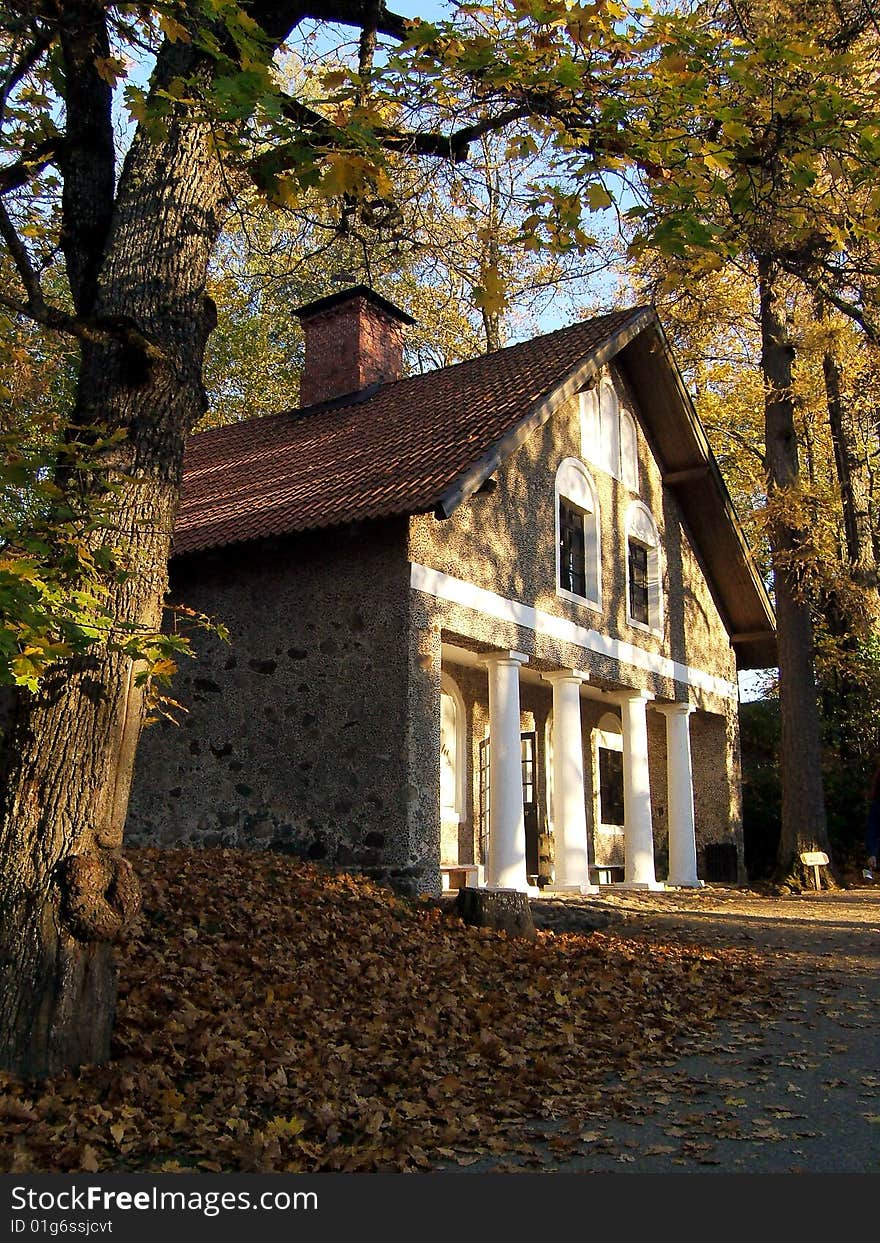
(173, 29)
(598, 197)
(89, 1160)
(110, 68)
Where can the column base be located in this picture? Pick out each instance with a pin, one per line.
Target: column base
(685, 884)
(650, 886)
(562, 890)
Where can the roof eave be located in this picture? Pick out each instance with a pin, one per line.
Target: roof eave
(698, 474)
(466, 484)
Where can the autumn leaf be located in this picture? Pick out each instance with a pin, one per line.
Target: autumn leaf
(248, 1038)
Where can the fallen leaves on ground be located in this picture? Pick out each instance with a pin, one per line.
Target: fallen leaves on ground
(274, 1017)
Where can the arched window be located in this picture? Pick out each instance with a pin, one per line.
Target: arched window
(609, 427)
(608, 433)
(578, 574)
(452, 752)
(629, 452)
(590, 430)
(644, 599)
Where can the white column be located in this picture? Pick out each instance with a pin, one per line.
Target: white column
(680, 792)
(507, 829)
(638, 833)
(569, 804)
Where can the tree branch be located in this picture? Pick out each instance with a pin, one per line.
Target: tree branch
(18, 72)
(30, 278)
(30, 165)
(452, 146)
(94, 331)
(850, 309)
(359, 13)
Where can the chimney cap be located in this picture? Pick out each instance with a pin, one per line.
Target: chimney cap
(345, 295)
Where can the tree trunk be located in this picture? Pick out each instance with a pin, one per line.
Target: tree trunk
(853, 481)
(65, 892)
(800, 761)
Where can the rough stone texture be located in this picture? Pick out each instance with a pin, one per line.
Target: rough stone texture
(295, 734)
(504, 910)
(718, 791)
(504, 542)
(422, 782)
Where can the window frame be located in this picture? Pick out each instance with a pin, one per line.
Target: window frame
(638, 581)
(603, 441)
(641, 530)
(607, 735)
(574, 486)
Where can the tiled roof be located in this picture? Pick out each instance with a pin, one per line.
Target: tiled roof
(395, 451)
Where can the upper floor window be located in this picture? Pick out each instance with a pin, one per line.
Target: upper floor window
(608, 433)
(638, 582)
(577, 535)
(572, 549)
(644, 600)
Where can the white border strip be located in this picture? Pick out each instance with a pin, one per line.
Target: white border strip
(457, 591)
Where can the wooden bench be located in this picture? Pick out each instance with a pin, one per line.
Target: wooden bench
(459, 875)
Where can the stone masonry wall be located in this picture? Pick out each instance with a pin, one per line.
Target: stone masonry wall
(295, 735)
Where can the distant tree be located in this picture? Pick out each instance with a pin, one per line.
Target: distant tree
(766, 129)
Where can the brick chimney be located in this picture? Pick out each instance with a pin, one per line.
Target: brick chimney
(354, 338)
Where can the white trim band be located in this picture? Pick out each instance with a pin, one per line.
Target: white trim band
(457, 591)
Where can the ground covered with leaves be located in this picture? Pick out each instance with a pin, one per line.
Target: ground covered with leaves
(273, 1017)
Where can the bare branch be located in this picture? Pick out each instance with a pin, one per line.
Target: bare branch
(18, 72)
(452, 146)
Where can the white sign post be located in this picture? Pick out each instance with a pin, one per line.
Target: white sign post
(815, 859)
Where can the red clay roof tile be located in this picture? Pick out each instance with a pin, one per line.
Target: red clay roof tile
(394, 451)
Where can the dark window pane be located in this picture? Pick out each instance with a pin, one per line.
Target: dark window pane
(610, 786)
(484, 799)
(638, 583)
(572, 551)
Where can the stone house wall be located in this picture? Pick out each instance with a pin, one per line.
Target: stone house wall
(296, 731)
(505, 542)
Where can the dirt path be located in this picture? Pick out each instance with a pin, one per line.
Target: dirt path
(798, 1092)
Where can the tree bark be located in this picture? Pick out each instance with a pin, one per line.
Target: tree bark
(803, 802)
(65, 891)
(852, 479)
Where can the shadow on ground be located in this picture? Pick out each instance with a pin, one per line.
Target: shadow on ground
(798, 1092)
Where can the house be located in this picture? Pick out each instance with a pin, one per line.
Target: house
(486, 621)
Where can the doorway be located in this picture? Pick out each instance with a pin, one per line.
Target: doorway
(531, 810)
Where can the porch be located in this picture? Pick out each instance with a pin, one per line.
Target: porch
(548, 783)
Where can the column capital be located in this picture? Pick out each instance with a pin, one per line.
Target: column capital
(503, 658)
(628, 696)
(679, 708)
(566, 675)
